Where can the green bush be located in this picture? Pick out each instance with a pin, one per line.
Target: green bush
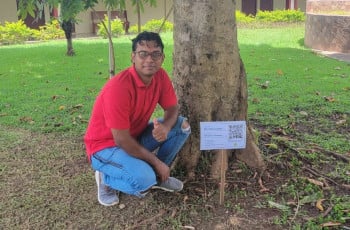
(242, 17)
(15, 32)
(50, 31)
(280, 16)
(271, 16)
(134, 29)
(18, 32)
(116, 27)
(155, 24)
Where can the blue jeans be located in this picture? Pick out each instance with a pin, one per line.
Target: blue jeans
(131, 175)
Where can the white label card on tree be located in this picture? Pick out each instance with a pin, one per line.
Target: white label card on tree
(223, 135)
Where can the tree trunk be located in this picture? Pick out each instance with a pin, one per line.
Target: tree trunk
(67, 27)
(138, 17)
(209, 76)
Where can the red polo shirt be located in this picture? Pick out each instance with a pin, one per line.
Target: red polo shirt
(125, 102)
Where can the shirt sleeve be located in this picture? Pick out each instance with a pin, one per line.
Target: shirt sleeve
(116, 107)
(168, 96)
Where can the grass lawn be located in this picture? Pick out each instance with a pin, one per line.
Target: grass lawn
(298, 103)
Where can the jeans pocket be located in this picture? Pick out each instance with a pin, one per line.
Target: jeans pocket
(105, 157)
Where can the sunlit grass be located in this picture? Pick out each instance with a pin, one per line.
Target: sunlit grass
(44, 90)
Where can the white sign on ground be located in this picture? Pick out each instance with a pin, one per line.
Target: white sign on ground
(222, 135)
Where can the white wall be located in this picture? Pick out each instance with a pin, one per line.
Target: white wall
(8, 11)
(163, 6)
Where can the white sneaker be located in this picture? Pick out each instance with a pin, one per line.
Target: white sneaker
(105, 195)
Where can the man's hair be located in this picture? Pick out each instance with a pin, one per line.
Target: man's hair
(147, 36)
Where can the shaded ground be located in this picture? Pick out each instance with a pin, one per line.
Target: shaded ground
(46, 183)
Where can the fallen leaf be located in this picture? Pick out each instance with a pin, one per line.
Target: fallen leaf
(330, 224)
(77, 106)
(28, 120)
(347, 186)
(304, 113)
(271, 146)
(185, 199)
(329, 98)
(235, 221)
(58, 125)
(255, 100)
(280, 131)
(62, 107)
(279, 72)
(315, 182)
(310, 199)
(188, 227)
(292, 203)
(265, 85)
(319, 204)
(341, 122)
(278, 206)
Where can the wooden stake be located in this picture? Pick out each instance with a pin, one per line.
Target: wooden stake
(222, 176)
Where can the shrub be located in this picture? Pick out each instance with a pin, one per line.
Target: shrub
(50, 31)
(155, 24)
(280, 16)
(15, 32)
(134, 29)
(242, 17)
(116, 27)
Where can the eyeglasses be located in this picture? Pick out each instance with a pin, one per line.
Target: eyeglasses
(156, 55)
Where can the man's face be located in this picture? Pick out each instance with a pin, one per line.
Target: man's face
(147, 58)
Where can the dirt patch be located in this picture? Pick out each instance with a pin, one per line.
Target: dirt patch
(46, 183)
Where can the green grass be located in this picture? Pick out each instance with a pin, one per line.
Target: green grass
(289, 84)
(44, 90)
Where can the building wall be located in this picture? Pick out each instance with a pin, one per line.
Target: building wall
(8, 11)
(277, 4)
(159, 12)
(281, 4)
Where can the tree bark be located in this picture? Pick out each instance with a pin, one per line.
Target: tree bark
(138, 10)
(67, 27)
(209, 75)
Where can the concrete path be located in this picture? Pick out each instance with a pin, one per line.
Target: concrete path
(339, 56)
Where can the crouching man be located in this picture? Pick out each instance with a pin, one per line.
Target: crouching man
(121, 136)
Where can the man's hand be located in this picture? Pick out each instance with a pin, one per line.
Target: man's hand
(162, 170)
(160, 131)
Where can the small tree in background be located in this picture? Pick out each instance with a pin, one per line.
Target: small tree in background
(69, 11)
(139, 4)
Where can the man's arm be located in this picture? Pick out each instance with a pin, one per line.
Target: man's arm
(124, 140)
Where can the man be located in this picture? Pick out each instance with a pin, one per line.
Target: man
(120, 138)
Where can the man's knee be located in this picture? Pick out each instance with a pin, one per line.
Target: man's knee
(185, 124)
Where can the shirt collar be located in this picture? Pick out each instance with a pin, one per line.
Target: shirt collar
(137, 79)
